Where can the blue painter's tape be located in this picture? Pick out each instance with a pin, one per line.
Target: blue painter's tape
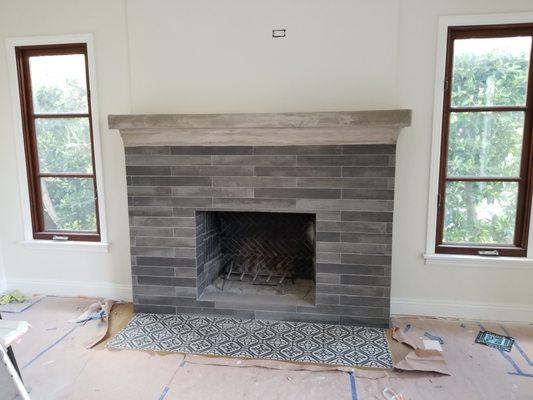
(164, 393)
(520, 350)
(352, 385)
(49, 347)
(182, 363)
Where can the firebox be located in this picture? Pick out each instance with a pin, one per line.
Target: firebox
(256, 257)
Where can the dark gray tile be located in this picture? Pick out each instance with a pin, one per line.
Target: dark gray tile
(327, 299)
(366, 216)
(365, 259)
(365, 280)
(206, 191)
(201, 202)
(152, 251)
(254, 181)
(365, 301)
(368, 172)
(328, 236)
(147, 170)
(149, 191)
(225, 170)
(366, 238)
(166, 281)
(166, 241)
(328, 268)
(154, 290)
(165, 222)
(298, 193)
(171, 180)
(361, 321)
(350, 290)
(254, 204)
(167, 160)
(298, 171)
(150, 211)
(153, 271)
(369, 149)
(148, 231)
(366, 193)
(344, 183)
(211, 150)
(264, 161)
(331, 279)
(167, 262)
(341, 160)
(312, 149)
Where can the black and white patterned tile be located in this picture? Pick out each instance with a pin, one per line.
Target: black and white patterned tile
(343, 345)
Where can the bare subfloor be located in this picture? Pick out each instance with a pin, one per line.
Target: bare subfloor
(56, 365)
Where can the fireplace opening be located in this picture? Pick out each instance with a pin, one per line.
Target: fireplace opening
(256, 257)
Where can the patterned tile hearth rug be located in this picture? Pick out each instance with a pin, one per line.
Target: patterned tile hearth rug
(301, 342)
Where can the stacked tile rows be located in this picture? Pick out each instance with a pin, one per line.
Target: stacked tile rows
(350, 188)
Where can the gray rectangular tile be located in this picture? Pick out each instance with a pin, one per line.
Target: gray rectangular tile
(298, 193)
(255, 160)
(172, 180)
(254, 204)
(218, 170)
(211, 150)
(298, 171)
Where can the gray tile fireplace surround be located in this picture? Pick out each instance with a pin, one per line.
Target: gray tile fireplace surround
(347, 188)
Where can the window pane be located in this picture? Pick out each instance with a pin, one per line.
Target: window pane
(485, 144)
(490, 71)
(64, 145)
(480, 212)
(69, 204)
(58, 84)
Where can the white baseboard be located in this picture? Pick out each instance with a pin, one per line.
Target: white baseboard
(466, 310)
(72, 288)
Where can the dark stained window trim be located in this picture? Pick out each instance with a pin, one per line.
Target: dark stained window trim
(30, 146)
(525, 180)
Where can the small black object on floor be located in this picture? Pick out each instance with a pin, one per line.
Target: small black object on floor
(492, 339)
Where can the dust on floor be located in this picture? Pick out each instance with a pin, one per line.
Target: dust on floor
(56, 365)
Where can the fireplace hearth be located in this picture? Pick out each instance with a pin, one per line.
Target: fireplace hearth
(267, 216)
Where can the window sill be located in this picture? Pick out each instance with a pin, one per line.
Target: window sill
(89, 247)
(478, 261)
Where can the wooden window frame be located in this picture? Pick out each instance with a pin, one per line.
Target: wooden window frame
(22, 54)
(525, 181)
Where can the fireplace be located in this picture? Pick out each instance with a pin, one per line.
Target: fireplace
(269, 216)
(256, 257)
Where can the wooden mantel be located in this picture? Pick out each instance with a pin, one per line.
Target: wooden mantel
(310, 128)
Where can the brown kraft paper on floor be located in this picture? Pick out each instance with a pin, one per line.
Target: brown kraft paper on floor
(420, 359)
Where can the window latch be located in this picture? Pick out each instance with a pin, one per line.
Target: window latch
(490, 253)
(58, 238)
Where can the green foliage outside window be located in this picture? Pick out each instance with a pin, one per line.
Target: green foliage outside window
(487, 144)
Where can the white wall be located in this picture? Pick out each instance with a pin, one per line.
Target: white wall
(218, 56)
(69, 272)
(418, 288)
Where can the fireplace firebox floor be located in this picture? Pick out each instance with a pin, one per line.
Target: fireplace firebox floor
(342, 345)
(300, 292)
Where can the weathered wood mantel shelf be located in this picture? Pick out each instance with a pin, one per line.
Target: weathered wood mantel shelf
(344, 127)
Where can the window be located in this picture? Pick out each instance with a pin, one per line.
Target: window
(58, 141)
(484, 193)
